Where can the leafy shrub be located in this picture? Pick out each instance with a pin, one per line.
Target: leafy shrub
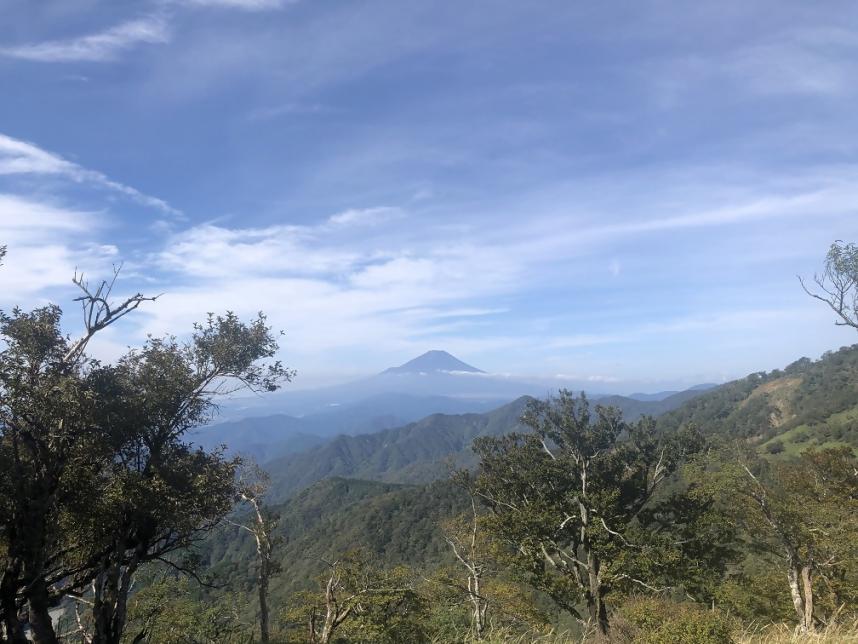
(659, 621)
(775, 447)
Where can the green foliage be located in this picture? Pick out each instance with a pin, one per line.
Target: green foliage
(361, 603)
(660, 621)
(422, 451)
(394, 524)
(416, 453)
(800, 515)
(756, 593)
(95, 477)
(809, 403)
(575, 501)
(167, 610)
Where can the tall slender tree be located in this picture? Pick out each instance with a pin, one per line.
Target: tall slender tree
(253, 483)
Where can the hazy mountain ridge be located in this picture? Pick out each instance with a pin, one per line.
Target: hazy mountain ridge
(268, 437)
(422, 451)
(394, 398)
(808, 402)
(414, 453)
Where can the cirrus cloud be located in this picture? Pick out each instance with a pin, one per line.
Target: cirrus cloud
(98, 47)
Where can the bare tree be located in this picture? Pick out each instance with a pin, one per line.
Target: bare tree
(98, 311)
(463, 537)
(837, 286)
(253, 483)
(356, 591)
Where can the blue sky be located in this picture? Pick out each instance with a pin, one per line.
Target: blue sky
(620, 193)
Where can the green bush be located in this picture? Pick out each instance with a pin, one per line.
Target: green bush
(775, 447)
(660, 621)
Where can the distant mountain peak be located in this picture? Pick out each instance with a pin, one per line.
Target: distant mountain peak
(432, 361)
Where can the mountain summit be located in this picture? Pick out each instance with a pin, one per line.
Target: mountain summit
(433, 361)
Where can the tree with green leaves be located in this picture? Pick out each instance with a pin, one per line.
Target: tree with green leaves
(166, 610)
(51, 448)
(577, 501)
(167, 492)
(362, 601)
(97, 477)
(800, 515)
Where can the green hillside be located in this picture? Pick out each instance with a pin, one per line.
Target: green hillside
(809, 403)
(397, 524)
(416, 453)
(423, 451)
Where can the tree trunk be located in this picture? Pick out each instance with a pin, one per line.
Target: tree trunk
(9, 606)
(595, 596)
(109, 607)
(327, 632)
(263, 603)
(599, 614)
(40, 614)
(793, 574)
(480, 606)
(807, 583)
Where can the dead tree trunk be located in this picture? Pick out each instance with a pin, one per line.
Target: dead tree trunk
(466, 549)
(252, 485)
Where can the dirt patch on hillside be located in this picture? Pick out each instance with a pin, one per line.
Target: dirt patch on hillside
(780, 395)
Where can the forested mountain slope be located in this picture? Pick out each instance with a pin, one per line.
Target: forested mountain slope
(397, 524)
(634, 408)
(809, 403)
(326, 515)
(424, 450)
(269, 437)
(416, 453)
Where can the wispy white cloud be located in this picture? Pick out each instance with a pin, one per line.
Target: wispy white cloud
(211, 250)
(214, 251)
(46, 243)
(98, 47)
(799, 61)
(247, 5)
(23, 219)
(22, 158)
(365, 216)
(409, 281)
(293, 108)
